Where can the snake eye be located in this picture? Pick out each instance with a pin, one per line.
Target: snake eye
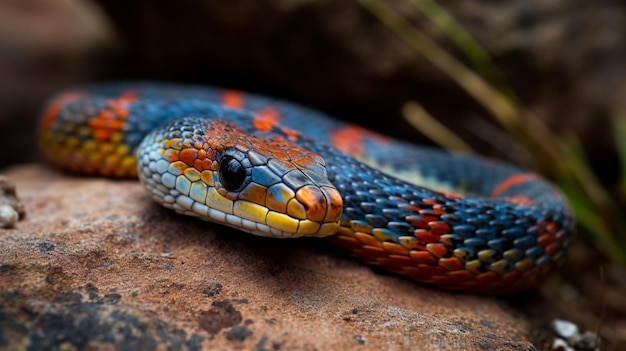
(232, 173)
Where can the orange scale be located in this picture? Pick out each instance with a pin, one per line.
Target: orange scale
(254, 193)
(314, 200)
(438, 250)
(368, 239)
(189, 156)
(488, 277)
(451, 263)
(430, 201)
(170, 142)
(423, 257)
(118, 124)
(461, 276)
(545, 240)
(296, 154)
(305, 162)
(402, 259)
(197, 144)
(428, 218)
(396, 249)
(439, 227)
(418, 224)
(426, 236)
(171, 155)
(210, 154)
(552, 249)
(198, 164)
(214, 165)
(201, 154)
(206, 177)
(336, 204)
(281, 155)
(101, 135)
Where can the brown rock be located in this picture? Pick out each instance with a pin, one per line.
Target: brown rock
(97, 264)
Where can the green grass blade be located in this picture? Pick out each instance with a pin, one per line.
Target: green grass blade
(474, 52)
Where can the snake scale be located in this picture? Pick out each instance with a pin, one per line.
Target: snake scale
(274, 168)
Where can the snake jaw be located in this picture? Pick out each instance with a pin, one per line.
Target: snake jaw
(267, 187)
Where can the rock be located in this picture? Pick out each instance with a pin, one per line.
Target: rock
(11, 207)
(97, 264)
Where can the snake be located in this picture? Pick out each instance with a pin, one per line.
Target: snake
(275, 168)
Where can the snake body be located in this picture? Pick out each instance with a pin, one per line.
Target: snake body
(274, 168)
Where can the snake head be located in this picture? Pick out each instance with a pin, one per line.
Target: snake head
(214, 170)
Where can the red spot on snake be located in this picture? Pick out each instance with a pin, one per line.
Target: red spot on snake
(450, 194)
(351, 139)
(112, 118)
(232, 99)
(266, 119)
(51, 114)
(511, 181)
(519, 200)
(292, 134)
(120, 105)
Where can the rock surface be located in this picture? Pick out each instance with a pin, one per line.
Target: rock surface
(96, 264)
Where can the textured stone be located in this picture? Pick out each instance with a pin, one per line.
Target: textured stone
(97, 264)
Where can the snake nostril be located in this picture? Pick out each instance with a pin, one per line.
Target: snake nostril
(232, 173)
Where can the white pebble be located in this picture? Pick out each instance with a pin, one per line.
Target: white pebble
(560, 345)
(564, 329)
(8, 216)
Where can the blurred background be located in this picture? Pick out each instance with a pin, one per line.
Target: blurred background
(538, 83)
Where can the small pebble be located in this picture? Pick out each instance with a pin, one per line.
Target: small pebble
(587, 341)
(564, 329)
(560, 345)
(8, 216)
